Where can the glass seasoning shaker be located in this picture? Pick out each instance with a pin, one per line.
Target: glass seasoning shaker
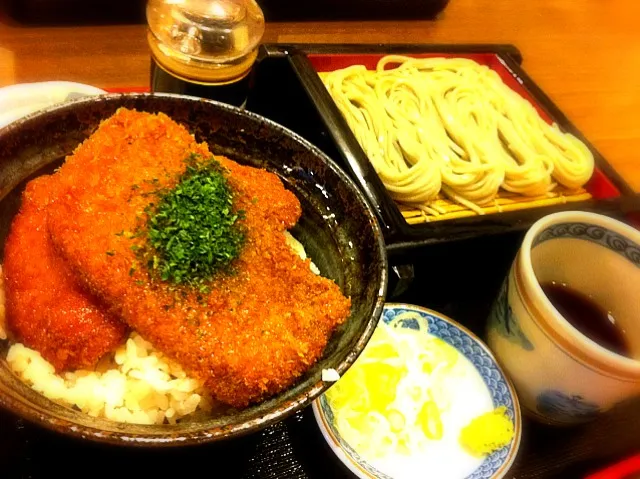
(204, 48)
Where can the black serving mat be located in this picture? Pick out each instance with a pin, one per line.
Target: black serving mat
(459, 279)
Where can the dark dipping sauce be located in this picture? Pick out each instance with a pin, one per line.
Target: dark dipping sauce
(588, 317)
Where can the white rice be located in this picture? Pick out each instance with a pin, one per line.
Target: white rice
(135, 384)
(298, 248)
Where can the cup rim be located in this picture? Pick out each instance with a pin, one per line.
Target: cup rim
(579, 346)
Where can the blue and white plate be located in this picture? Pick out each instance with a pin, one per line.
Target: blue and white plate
(499, 392)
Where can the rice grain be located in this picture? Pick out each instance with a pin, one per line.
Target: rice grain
(136, 384)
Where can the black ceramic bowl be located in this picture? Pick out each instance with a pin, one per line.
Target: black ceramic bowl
(338, 229)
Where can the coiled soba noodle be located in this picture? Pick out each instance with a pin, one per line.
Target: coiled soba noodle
(451, 126)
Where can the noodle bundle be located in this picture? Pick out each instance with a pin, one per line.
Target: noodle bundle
(436, 126)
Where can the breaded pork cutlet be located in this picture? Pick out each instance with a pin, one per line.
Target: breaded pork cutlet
(46, 309)
(251, 332)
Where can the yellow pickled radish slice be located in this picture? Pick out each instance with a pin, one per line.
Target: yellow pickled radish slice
(379, 403)
(381, 381)
(396, 420)
(382, 351)
(429, 420)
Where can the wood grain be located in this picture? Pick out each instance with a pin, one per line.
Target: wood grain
(584, 53)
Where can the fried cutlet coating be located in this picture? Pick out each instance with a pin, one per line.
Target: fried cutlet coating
(46, 309)
(257, 330)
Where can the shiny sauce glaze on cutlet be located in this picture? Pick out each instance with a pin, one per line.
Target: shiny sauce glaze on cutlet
(46, 308)
(255, 331)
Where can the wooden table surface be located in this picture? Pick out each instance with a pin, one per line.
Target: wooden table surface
(584, 53)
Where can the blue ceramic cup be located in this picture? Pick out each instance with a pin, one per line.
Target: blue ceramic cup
(562, 376)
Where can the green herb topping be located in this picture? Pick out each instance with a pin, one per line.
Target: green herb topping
(193, 229)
